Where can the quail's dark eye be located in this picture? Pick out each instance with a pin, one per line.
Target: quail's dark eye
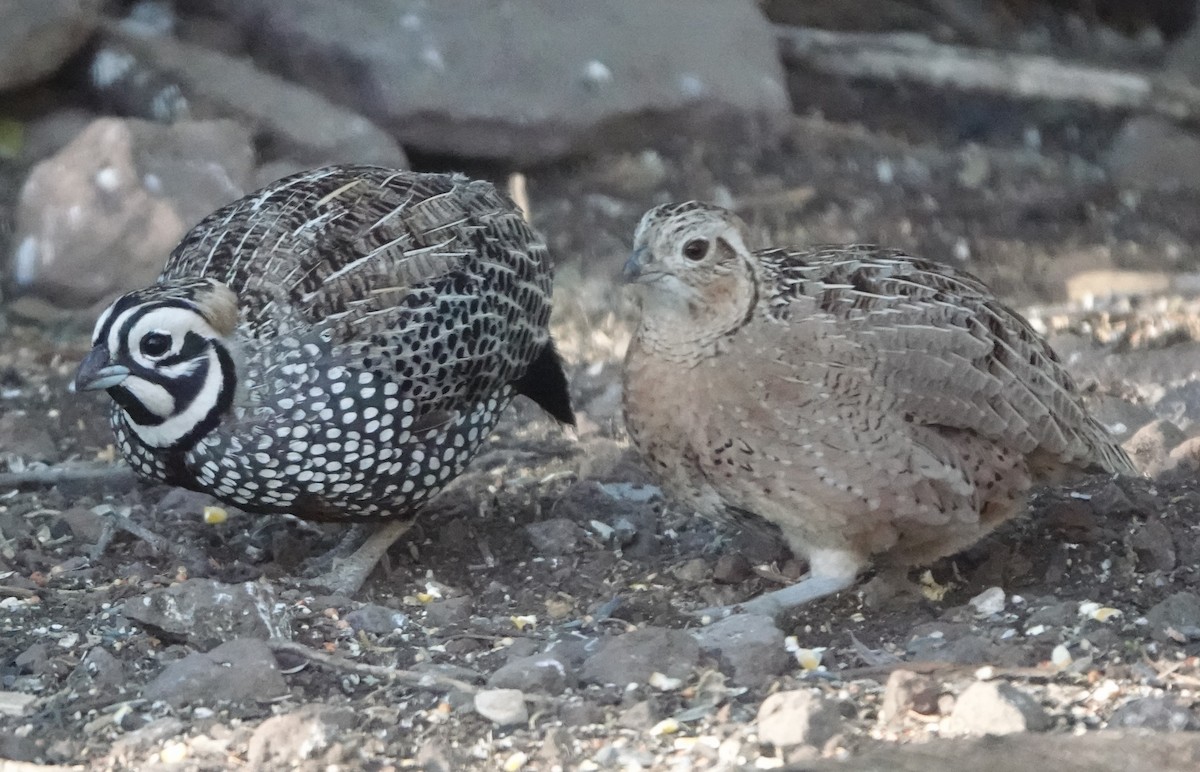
(695, 249)
(156, 344)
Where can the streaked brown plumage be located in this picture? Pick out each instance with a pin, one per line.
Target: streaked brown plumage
(870, 404)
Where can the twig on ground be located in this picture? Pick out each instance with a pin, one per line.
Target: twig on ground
(8, 765)
(906, 56)
(430, 682)
(53, 475)
(10, 591)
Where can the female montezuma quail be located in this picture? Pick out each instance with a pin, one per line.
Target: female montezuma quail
(867, 403)
(335, 346)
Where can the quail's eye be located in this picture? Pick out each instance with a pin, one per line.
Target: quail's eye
(695, 249)
(156, 344)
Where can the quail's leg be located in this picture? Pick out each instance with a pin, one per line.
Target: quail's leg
(830, 571)
(347, 575)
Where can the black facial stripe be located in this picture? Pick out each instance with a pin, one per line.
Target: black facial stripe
(193, 347)
(136, 411)
(123, 305)
(224, 400)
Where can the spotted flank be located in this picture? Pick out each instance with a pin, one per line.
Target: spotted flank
(335, 346)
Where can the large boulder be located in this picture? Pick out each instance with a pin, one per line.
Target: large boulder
(527, 80)
(101, 215)
(1152, 152)
(38, 36)
(161, 78)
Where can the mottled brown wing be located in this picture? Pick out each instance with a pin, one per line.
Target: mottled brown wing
(947, 352)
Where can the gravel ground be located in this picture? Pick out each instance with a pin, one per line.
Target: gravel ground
(537, 618)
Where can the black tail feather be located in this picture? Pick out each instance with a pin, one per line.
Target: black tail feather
(545, 382)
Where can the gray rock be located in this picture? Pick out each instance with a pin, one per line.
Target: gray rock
(147, 75)
(1176, 618)
(377, 619)
(907, 691)
(628, 512)
(436, 755)
(448, 611)
(36, 38)
(1180, 405)
(556, 536)
(639, 716)
(25, 437)
(635, 656)
(241, 671)
(749, 648)
(529, 81)
(1154, 152)
(86, 524)
(574, 651)
(536, 673)
(284, 740)
(521, 648)
(798, 717)
(732, 568)
(206, 612)
(581, 712)
(97, 681)
(505, 707)
(47, 134)
(1154, 546)
(35, 659)
(693, 571)
(1161, 714)
(1151, 445)
(1183, 462)
(121, 188)
(1055, 613)
(449, 670)
(1110, 501)
(996, 707)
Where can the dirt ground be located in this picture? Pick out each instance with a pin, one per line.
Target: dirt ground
(1086, 607)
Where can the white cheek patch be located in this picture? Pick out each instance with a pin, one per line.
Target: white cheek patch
(181, 423)
(153, 397)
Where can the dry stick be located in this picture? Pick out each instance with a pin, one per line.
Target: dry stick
(8, 765)
(10, 591)
(900, 56)
(429, 682)
(53, 475)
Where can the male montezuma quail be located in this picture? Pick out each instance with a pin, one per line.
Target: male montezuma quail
(335, 346)
(865, 402)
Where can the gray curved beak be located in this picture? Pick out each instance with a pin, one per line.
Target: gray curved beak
(633, 266)
(95, 372)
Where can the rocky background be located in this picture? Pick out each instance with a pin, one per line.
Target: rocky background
(537, 618)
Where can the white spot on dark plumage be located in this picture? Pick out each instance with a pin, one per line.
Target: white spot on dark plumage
(333, 364)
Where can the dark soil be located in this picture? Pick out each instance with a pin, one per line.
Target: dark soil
(477, 592)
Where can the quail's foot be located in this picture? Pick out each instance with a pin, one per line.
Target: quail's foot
(809, 588)
(346, 575)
